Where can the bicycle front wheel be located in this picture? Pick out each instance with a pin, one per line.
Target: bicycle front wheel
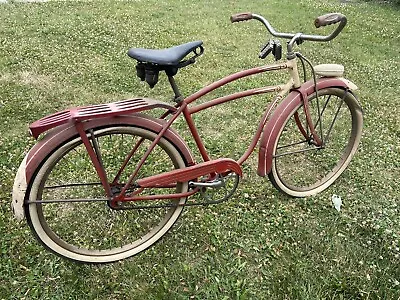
(300, 167)
(73, 217)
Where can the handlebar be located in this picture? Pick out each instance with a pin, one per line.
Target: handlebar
(241, 17)
(324, 20)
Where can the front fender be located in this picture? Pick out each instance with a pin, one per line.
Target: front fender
(54, 138)
(282, 112)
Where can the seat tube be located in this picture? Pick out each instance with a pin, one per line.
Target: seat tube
(195, 134)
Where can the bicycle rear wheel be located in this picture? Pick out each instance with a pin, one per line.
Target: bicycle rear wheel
(93, 231)
(300, 168)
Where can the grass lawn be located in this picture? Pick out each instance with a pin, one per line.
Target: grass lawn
(258, 245)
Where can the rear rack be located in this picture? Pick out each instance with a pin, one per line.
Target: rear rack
(79, 114)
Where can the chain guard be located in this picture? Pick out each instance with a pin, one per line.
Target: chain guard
(218, 191)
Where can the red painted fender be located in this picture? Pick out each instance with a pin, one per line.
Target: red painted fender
(58, 135)
(282, 112)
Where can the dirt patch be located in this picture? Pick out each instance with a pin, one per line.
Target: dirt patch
(31, 78)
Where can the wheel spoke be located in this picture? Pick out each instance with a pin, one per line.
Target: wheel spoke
(71, 185)
(292, 144)
(296, 151)
(66, 201)
(334, 120)
(323, 110)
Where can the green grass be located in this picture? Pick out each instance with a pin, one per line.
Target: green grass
(258, 245)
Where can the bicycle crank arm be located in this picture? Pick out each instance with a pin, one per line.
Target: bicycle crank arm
(212, 184)
(218, 166)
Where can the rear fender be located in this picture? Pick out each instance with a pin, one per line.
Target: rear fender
(282, 112)
(54, 138)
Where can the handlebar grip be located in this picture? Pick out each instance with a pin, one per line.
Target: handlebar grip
(241, 17)
(329, 19)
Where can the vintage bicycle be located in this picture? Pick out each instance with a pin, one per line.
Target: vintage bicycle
(105, 182)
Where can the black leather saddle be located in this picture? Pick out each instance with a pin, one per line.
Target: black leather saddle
(170, 60)
(164, 57)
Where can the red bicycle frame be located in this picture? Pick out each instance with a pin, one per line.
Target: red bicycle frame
(222, 166)
(219, 166)
(209, 168)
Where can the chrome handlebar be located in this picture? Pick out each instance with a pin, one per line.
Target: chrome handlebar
(324, 20)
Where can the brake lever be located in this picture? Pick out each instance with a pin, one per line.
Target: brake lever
(267, 49)
(277, 51)
(272, 46)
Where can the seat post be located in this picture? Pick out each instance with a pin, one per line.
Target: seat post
(178, 96)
